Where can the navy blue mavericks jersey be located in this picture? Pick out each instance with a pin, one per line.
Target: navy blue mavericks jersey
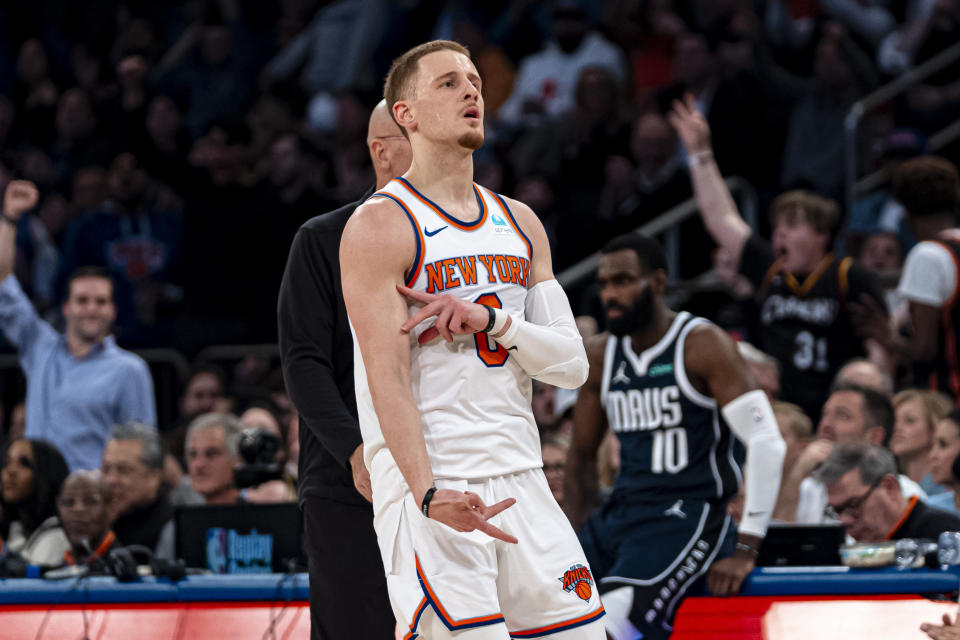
(673, 442)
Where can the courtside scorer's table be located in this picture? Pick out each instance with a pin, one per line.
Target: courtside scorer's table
(776, 604)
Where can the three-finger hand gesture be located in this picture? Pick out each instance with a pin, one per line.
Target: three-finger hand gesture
(453, 315)
(690, 124)
(465, 511)
(21, 195)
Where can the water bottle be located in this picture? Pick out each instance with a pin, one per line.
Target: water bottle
(910, 553)
(948, 548)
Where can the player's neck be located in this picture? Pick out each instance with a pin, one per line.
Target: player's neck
(645, 338)
(447, 179)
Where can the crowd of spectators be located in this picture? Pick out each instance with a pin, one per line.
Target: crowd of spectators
(177, 146)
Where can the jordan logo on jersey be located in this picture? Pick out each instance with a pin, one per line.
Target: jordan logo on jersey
(621, 375)
(579, 579)
(676, 510)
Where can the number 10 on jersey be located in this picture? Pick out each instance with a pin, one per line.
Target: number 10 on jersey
(669, 450)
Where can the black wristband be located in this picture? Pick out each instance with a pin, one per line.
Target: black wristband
(427, 497)
(8, 218)
(491, 322)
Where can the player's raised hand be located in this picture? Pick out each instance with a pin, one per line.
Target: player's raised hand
(465, 511)
(21, 195)
(690, 124)
(454, 316)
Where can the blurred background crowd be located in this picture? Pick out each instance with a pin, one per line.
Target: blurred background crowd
(179, 144)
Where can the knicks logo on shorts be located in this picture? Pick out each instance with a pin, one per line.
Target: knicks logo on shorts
(579, 579)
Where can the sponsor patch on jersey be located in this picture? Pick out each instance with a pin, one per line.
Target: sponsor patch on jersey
(579, 580)
(660, 370)
(499, 224)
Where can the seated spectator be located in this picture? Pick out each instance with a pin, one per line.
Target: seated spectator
(865, 496)
(212, 452)
(916, 414)
(864, 373)
(943, 454)
(132, 469)
(553, 450)
(30, 481)
(851, 414)
(85, 509)
(79, 383)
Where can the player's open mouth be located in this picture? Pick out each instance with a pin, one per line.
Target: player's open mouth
(473, 113)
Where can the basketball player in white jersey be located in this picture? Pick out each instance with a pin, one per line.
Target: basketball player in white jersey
(452, 299)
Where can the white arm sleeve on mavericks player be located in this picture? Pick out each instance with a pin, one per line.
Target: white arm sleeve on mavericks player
(751, 417)
(547, 344)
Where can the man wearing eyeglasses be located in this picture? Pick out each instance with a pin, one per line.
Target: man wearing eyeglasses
(851, 414)
(864, 494)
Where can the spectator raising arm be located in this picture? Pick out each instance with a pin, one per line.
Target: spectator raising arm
(717, 208)
(20, 196)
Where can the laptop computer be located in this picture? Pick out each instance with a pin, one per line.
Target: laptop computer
(801, 545)
(239, 538)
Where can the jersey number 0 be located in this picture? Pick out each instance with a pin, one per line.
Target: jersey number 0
(491, 353)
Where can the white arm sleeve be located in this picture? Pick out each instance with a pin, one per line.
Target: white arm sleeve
(547, 344)
(751, 418)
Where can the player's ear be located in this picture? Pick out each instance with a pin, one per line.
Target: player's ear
(377, 149)
(659, 282)
(403, 115)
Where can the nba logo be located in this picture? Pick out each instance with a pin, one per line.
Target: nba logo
(217, 550)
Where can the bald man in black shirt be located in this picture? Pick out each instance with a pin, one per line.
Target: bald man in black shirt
(348, 590)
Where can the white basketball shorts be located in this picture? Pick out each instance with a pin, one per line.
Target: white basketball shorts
(443, 582)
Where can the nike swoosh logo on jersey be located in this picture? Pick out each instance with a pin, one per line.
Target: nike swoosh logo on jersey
(430, 234)
(754, 514)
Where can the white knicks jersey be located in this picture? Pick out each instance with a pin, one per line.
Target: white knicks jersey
(474, 399)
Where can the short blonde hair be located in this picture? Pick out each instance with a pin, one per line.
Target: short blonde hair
(404, 70)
